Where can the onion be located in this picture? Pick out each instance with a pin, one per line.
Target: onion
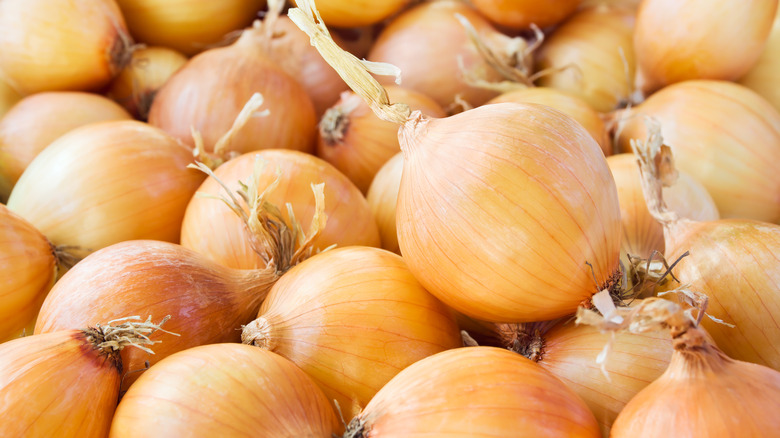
(8, 97)
(382, 197)
(210, 90)
(217, 233)
(224, 389)
(481, 194)
(357, 142)
(80, 47)
(765, 74)
(572, 106)
(730, 144)
(479, 391)
(352, 318)
(66, 383)
(699, 41)
(188, 26)
(28, 267)
(136, 85)
(632, 4)
(591, 56)
(524, 13)
(40, 119)
(346, 13)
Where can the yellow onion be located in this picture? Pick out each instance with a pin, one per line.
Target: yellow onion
(572, 106)
(506, 212)
(730, 143)
(40, 119)
(678, 41)
(8, 97)
(632, 4)
(105, 183)
(66, 383)
(591, 56)
(216, 232)
(524, 13)
(210, 90)
(351, 13)
(28, 268)
(357, 142)
(765, 74)
(188, 26)
(52, 45)
(224, 390)
(352, 318)
(137, 84)
(479, 391)
(382, 197)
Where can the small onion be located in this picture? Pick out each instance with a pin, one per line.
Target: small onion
(53, 45)
(382, 197)
(678, 41)
(8, 97)
(591, 56)
(521, 14)
(28, 268)
(352, 13)
(137, 84)
(224, 390)
(357, 142)
(188, 26)
(352, 318)
(40, 119)
(730, 144)
(479, 391)
(765, 74)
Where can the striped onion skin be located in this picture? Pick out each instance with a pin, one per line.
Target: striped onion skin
(475, 391)
(502, 208)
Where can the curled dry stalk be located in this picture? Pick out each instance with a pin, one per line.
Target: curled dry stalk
(120, 333)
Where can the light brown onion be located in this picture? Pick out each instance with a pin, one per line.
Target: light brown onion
(382, 197)
(357, 13)
(521, 14)
(40, 119)
(53, 45)
(765, 74)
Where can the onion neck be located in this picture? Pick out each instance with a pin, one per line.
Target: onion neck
(694, 353)
(254, 285)
(260, 334)
(356, 429)
(412, 132)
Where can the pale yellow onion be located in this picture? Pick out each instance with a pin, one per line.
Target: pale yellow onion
(213, 230)
(730, 143)
(357, 13)
(225, 390)
(28, 268)
(357, 142)
(478, 391)
(38, 120)
(352, 318)
(383, 197)
(677, 41)
(570, 105)
(591, 56)
(105, 183)
(52, 45)
(188, 26)
(8, 97)
(521, 14)
(137, 83)
(765, 74)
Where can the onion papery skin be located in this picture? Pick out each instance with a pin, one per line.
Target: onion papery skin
(642, 234)
(699, 41)
(501, 208)
(357, 13)
(522, 14)
(594, 55)
(212, 229)
(208, 93)
(382, 197)
(28, 268)
(357, 142)
(188, 26)
(37, 120)
(79, 48)
(207, 302)
(352, 318)
(106, 183)
(704, 393)
(148, 70)
(765, 74)
(425, 43)
(477, 391)
(730, 143)
(572, 106)
(224, 390)
(56, 384)
(735, 263)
